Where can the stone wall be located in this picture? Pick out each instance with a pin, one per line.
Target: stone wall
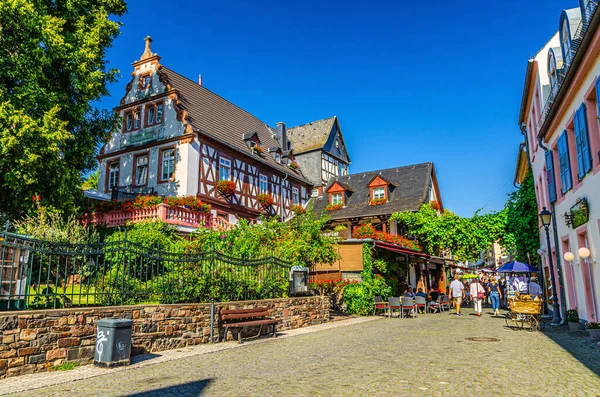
(33, 341)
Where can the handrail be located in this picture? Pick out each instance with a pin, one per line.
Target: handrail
(166, 213)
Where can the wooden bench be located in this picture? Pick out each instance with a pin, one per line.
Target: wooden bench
(240, 318)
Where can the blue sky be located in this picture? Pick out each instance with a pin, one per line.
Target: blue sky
(410, 82)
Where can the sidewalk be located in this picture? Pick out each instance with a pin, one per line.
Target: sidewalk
(46, 379)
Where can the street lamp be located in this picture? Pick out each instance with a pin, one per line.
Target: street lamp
(546, 219)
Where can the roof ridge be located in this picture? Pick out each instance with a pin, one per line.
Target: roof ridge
(388, 169)
(215, 94)
(311, 122)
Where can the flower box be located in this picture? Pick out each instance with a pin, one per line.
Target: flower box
(378, 201)
(258, 149)
(368, 231)
(334, 207)
(575, 326)
(265, 199)
(226, 188)
(594, 333)
(293, 165)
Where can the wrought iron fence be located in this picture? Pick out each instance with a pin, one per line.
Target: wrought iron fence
(38, 274)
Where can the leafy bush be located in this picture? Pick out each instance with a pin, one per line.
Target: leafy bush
(592, 325)
(48, 225)
(359, 297)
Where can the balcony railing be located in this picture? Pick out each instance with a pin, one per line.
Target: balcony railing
(172, 215)
(569, 57)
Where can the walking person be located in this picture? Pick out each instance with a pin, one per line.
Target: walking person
(478, 295)
(495, 295)
(457, 292)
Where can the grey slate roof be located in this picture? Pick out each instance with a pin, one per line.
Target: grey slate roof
(310, 136)
(411, 191)
(217, 117)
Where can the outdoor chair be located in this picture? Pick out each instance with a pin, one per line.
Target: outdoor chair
(421, 303)
(379, 304)
(444, 302)
(394, 304)
(408, 306)
(435, 305)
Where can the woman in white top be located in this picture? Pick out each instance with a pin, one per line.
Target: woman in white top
(478, 295)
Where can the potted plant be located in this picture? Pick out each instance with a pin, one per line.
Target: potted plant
(226, 188)
(593, 329)
(258, 149)
(293, 165)
(573, 320)
(265, 199)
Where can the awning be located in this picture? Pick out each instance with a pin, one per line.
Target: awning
(96, 195)
(397, 248)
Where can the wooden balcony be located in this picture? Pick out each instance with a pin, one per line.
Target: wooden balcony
(176, 216)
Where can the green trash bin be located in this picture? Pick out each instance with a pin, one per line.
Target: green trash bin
(113, 342)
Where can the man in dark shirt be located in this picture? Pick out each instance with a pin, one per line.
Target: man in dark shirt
(433, 295)
(421, 293)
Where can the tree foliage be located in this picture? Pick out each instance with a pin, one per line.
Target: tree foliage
(522, 234)
(303, 240)
(52, 67)
(464, 237)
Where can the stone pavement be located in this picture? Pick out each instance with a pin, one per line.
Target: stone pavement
(426, 356)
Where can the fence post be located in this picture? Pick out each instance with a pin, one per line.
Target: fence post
(212, 320)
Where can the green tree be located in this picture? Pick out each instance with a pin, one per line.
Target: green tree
(464, 237)
(92, 180)
(522, 232)
(52, 69)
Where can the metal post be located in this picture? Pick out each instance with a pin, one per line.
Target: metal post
(212, 320)
(555, 306)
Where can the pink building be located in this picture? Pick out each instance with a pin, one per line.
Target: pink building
(559, 120)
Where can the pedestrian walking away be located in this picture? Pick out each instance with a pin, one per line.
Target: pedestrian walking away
(457, 292)
(478, 295)
(495, 295)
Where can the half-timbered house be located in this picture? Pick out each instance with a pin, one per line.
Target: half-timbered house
(179, 138)
(320, 151)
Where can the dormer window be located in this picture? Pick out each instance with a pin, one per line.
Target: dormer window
(337, 198)
(565, 41)
(378, 193)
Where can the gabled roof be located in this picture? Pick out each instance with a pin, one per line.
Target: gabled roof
(411, 191)
(310, 136)
(214, 116)
(334, 181)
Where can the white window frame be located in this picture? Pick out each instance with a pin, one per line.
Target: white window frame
(113, 174)
(378, 193)
(224, 164)
(159, 113)
(168, 164)
(278, 157)
(336, 198)
(263, 179)
(140, 167)
(314, 193)
(136, 119)
(295, 196)
(150, 112)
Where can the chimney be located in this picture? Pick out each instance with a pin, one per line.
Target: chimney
(200, 79)
(281, 136)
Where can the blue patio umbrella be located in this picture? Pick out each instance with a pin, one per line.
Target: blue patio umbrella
(517, 267)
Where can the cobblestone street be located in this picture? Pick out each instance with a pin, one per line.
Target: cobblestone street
(427, 356)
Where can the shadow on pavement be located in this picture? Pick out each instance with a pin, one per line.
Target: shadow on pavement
(578, 344)
(143, 357)
(194, 388)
